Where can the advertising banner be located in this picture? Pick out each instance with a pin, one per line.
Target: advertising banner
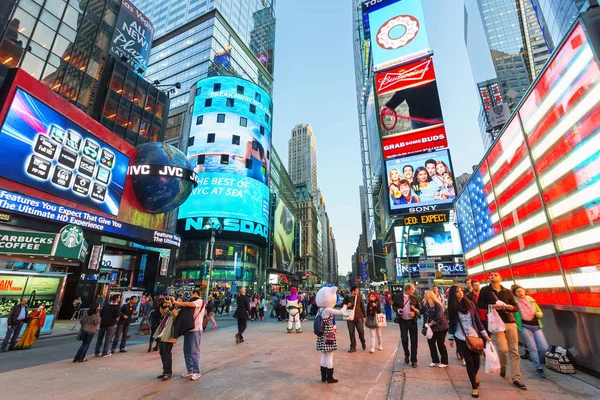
(408, 98)
(420, 183)
(18, 242)
(42, 286)
(430, 240)
(22, 204)
(229, 147)
(42, 149)
(11, 286)
(368, 6)
(398, 34)
(283, 238)
(132, 38)
(413, 142)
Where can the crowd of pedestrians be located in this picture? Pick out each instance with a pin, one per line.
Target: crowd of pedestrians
(470, 318)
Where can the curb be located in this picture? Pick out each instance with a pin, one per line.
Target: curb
(52, 336)
(398, 379)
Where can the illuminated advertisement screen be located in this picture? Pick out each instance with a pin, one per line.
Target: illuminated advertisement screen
(408, 98)
(229, 144)
(398, 34)
(283, 240)
(428, 240)
(420, 183)
(41, 148)
(413, 142)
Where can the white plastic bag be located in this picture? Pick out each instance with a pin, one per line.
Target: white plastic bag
(492, 361)
(381, 321)
(495, 323)
(429, 334)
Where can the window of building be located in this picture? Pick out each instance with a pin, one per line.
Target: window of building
(191, 141)
(257, 97)
(230, 102)
(220, 118)
(208, 103)
(243, 121)
(252, 108)
(235, 139)
(216, 87)
(267, 118)
(225, 159)
(262, 130)
(240, 89)
(200, 159)
(211, 138)
(199, 120)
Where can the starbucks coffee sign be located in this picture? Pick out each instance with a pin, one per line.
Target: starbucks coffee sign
(18, 242)
(71, 236)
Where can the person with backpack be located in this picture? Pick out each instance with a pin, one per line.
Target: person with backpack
(192, 337)
(325, 330)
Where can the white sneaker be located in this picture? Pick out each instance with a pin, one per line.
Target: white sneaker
(432, 364)
(443, 365)
(187, 374)
(195, 376)
(380, 348)
(372, 350)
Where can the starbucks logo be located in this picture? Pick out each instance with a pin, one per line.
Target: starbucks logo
(71, 236)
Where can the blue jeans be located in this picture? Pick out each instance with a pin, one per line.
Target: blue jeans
(536, 342)
(388, 312)
(85, 344)
(108, 331)
(11, 336)
(191, 351)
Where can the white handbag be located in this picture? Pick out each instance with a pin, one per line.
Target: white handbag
(381, 320)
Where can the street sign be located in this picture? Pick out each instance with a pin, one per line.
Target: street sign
(358, 279)
(307, 274)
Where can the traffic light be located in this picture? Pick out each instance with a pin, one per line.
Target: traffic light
(385, 251)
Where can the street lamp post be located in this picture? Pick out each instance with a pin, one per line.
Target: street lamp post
(209, 225)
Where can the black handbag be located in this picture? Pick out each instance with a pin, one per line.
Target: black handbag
(371, 322)
(80, 334)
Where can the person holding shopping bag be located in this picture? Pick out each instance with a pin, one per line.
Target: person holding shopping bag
(529, 324)
(465, 328)
(433, 317)
(374, 308)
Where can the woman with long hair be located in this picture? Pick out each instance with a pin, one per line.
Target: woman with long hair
(529, 324)
(373, 309)
(433, 317)
(37, 319)
(440, 169)
(464, 323)
(394, 177)
(89, 325)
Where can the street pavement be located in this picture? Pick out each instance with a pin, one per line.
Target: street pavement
(270, 364)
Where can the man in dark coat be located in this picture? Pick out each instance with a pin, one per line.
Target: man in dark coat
(406, 306)
(355, 302)
(242, 313)
(16, 319)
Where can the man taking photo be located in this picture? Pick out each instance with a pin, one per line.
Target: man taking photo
(355, 302)
(406, 305)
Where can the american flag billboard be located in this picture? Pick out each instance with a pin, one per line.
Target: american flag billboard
(531, 211)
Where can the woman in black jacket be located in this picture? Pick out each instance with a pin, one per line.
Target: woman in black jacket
(433, 317)
(464, 322)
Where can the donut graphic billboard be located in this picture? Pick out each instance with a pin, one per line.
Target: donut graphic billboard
(398, 34)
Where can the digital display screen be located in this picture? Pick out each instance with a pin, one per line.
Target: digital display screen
(229, 147)
(283, 240)
(428, 240)
(41, 148)
(420, 183)
(408, 98)
(398, 34)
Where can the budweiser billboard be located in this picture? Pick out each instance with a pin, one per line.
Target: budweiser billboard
(413, 142)
(408, 98)
(405, 77)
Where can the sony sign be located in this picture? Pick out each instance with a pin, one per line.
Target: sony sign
(228, 225)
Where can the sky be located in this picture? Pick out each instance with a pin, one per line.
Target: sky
(315, 84)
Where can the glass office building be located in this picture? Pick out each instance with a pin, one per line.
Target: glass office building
(559, 16)
(65, 44)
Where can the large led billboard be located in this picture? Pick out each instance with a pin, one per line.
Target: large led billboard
(427, 240)
(418, 141)
(41, 148)
(228, 146)
(398, 34)
(283, 238)
(420, 183)
(408, 98)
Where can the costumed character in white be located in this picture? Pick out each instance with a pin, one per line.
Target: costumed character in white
(294, 309)
(324, 325)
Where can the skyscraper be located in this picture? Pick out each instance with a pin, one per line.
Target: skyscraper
(302, 157)
(559, 16)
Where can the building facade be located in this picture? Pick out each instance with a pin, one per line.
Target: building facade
(67, 46)
(559, 16)
(302, 157)
(310, 249)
